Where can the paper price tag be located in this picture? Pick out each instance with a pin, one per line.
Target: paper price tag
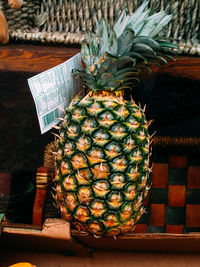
(53, 90)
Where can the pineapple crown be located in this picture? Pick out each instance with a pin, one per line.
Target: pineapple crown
(116, 56)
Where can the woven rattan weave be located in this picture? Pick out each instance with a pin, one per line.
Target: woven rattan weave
(65, 21)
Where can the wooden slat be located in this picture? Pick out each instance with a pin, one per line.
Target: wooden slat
(7, 224)
(54, 236)
(33, 58)
(38, 206)
(102, 259)
(184, 67)
(143, 242)
(52, 228)
(51, 240)
(38, 58)
(43, 177)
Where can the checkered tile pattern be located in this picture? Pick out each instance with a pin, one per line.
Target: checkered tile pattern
(173, 203)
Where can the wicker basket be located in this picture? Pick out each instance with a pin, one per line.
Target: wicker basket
(64, 21)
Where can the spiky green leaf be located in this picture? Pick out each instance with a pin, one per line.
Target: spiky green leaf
(121, 24)
(155, 59)
(137, 56)
(113, 66)
(109, 65)
(167, 44)
(148, 41)
(93, 47)
(125, 41)
(143, 48)
(90, 86)
(167, 51)
(139, 24)
(150, 24)
(97, 24)
(170, 57)
(112, 44)
(85, 54)
(164, 21)
(105, 78)
(124, 62)
(128, 75)
(125, 70)
(129, 80)
(114, 83)
(162, 59)
(103, 38)
(119, 21)
(135, 17)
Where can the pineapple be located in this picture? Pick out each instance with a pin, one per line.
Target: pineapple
(102, 160)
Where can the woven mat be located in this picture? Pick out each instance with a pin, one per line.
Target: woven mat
(65, 21)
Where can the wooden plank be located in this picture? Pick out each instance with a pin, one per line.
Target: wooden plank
(184, 67)
(7, 224)
(52, 228)
(143, 242)
(144, 259)
(33, 58)
(38, 206)
(38, 58)
(43, 177)
(54, 236)
(101, 259)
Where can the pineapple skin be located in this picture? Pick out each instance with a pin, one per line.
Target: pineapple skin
(102, 164)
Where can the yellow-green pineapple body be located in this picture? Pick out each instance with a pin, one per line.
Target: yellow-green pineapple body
(102, 165)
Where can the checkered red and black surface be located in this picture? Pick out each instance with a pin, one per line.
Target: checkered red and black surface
(173, 202)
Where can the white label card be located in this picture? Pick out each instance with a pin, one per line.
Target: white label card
(53, 90)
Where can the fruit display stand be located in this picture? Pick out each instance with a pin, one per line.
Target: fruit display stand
(174, 222)
(171, 222)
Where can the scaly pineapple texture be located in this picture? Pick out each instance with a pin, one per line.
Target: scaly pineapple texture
(102, 161)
